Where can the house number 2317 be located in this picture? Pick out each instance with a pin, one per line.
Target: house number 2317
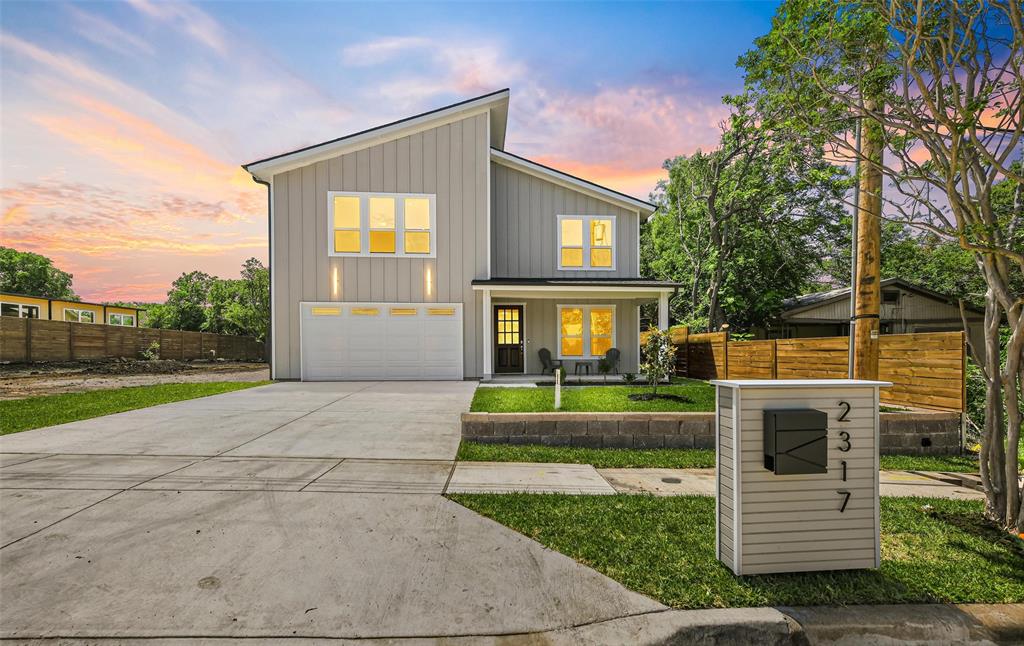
(844, 446)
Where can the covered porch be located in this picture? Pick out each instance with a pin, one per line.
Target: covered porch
(530, 325)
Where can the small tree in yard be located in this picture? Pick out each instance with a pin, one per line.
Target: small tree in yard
(659, 358)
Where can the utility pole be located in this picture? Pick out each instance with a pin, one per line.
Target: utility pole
(867, 286)
(853, 252)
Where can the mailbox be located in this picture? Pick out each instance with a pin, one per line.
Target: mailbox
(795, 441)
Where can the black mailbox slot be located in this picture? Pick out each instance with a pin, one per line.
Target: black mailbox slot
(796, 441)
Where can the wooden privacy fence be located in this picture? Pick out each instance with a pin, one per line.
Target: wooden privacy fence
(927, 369)
(28, 340)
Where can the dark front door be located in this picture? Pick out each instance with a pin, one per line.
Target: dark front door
(508, 338)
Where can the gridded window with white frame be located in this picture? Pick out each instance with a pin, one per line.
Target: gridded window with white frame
(585, 331)
(79, 316)
(127, 320)
(384, 225)
(586, 242)
(19, 310)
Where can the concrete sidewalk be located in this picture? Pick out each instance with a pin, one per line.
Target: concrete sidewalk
(509, 477)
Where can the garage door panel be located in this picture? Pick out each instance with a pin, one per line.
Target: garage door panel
(370, 341)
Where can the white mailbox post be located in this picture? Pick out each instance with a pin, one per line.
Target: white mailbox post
(797, 483)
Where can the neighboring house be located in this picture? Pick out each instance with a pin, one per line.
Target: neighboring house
(905, 308)
(422, 249)
(55, 309)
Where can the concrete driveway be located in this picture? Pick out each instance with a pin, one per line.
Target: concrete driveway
(295, 510)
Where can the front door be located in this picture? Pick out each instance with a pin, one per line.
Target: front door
(508, 338)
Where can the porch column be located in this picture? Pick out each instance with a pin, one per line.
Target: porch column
(488, 336)
(663, 311)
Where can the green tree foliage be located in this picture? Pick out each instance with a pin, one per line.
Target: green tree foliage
(919, 257)
(939, 84)
(743, 226)
(200, 302)
(23, 272)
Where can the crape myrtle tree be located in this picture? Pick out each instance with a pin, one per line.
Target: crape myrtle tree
(742, 226)
(939, 84)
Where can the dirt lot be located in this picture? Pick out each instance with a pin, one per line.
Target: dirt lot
(30, 380)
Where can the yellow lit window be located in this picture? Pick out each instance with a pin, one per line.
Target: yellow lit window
(601, 328)
(365, 311)
(382, 242)
(586, 331)
(417, 225)
(572, 331)
(382, 224)
(600, 243)
(326, 311)
(403, 311)
(346, 224)
(367, 224)
(441, 311)
(346, 212)
(572, 242)
(600, 257)
(572, 257)
(346, 241)
(586, 242)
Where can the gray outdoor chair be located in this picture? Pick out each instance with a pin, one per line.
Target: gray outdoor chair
(547, 362)
(612, 357)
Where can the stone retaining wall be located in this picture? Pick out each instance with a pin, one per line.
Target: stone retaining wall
(917, 433)
(920, 433)
(595, 430)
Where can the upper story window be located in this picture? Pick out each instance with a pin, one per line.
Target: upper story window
(20, 310)
(79, 316)
(121, 319)
(397, 225)
(586, 242)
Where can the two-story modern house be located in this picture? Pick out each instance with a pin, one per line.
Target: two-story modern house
(422, 249)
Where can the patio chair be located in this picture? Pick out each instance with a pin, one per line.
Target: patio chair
(612, 357)
(547, 362)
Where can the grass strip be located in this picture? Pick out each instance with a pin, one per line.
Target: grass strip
(933, 551)
(18, 415)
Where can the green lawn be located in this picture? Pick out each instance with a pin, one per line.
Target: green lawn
(35, 412)
(599, 458)
(933, 551)
(608, 399)
(672, 458)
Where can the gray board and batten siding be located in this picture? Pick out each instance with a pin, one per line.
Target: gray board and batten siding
(525, 235)
(451, 161)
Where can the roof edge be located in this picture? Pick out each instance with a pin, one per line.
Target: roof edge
(268, 166)
(604, 191)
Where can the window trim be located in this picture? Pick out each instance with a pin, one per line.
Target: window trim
(364, 225)
(111, 315)
(79, 311)
(586, 307)
(586, 241)
(22, 307)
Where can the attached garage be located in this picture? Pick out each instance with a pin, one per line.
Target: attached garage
(386, 341)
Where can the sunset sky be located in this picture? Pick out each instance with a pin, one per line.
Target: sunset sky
(123, 125)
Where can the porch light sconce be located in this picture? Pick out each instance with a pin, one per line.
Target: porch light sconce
(334, 283)
(429, 282)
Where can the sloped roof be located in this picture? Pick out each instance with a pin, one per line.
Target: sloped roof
(807, 301)
(601, 192)
(496, 102)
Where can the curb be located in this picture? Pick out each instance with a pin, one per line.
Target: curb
(912, 624)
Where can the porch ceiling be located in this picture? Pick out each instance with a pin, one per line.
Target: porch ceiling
(579, 288)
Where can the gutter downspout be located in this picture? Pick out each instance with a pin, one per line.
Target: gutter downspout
(268, 344)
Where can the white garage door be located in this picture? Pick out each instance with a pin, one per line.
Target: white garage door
(381, 341)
